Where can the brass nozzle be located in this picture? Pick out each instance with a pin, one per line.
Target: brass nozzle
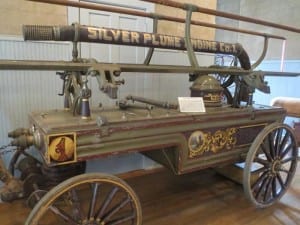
(23, 141)
(18, 132)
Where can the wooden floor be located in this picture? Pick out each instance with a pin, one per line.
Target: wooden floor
(195, 199)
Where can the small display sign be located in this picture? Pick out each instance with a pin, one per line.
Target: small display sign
(191, 104)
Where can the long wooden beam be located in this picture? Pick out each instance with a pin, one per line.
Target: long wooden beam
(184, 6)
(41, 65)
(99, 7)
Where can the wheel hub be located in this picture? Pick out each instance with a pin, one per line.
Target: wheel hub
(276, 166)
(92, 222)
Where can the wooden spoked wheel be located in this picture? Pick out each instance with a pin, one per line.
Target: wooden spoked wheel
(88, 199)
(270, 165)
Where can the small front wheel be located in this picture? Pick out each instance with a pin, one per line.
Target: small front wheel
(88, 199)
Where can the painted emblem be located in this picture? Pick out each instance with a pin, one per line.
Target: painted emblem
(200, 142)
(61, 148)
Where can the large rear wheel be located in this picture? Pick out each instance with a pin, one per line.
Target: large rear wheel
(270, 165)
(88, 199)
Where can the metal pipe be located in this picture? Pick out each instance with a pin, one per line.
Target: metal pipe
(41, 65)
(153, 16)
(188, 42)
(162, 104)
(183, 6)
(131, 38)
(151, 50)
(263, 54)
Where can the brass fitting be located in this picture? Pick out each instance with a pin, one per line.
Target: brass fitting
(18, 132)
(23, 141)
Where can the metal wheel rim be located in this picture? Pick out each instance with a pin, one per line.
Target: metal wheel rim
(274, 167)
(51, 203)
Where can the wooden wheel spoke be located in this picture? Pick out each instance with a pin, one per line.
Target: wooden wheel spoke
(121, 220)
(284, 142)
(268, 191)
(77, 210)
(285, 171)
(266, 151)
(62, 214)
(259, 181)
(286, 150)
(95, 188)
(279, 178)
(287, 160)
(274, 187)
(262, 188)
(116, 208)
(106, 203)
(260, 170)
(271, 145)
(261, 161)
(278, 141)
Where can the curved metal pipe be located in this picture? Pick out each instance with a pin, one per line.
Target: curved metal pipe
(263, 54)
(187, 39)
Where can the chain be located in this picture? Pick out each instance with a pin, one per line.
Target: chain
(4, 149)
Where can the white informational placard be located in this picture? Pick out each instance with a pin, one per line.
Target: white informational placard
(191, 104)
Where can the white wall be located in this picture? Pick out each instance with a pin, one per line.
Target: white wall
(24, 91)
(277, 11)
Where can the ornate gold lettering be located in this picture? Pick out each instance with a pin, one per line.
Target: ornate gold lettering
(163, 40)
(205, 45)
(125, 36)
(147, 38)
(194, 43)
(92, 33)
(135, 37)
(177, 42)
(171, 41)
(227, 48)
(234, 49)
(214, 46)
(222, 49)
(106, 36)
(212, 97)
(116, 34)
(154, 40)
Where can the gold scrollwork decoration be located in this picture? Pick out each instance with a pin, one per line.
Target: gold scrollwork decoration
(200, 142)
(213, 97)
